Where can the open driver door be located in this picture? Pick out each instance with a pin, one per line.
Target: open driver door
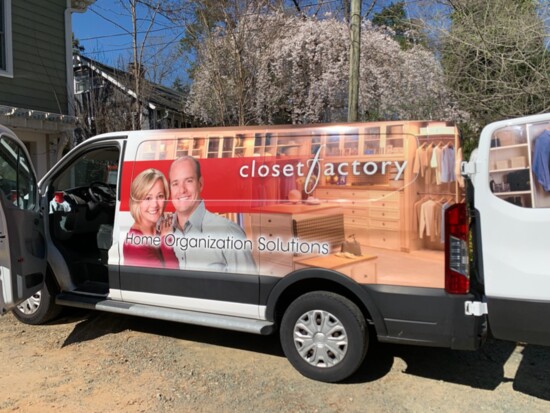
(22, 242)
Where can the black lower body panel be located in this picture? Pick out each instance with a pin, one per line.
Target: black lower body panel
(207, 285)
(520, 320)
(425, 316)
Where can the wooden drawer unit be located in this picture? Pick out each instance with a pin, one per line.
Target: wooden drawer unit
(382, 203)
(362, 269)
(356, 212)
(356, 221)
(360, 203)
(280, 221)
(345, 198)
(388, 196)
(324, 193)
(382, 224)
(385, 239)
(385, 202)
(372, 216)
(358, 194)
(278, 224)
(384, 199)
(385, 220)
(384, 213)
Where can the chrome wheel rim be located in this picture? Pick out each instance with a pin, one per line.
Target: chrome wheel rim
(30, 305)
(320, 339)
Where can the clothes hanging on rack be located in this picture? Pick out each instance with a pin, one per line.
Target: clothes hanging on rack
(416, 213)
(448, 164)
(435, 162)
(429, 174)
(443, 163)
(541, 160)
(428, 222)
(420, 160)
(429, 217)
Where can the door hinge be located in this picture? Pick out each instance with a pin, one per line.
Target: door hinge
(475, 308)
(467, 168)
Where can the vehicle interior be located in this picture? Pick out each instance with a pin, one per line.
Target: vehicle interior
(82, 200)
(17, 182)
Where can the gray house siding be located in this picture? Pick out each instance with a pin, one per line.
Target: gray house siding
(39, 68)
(36, 97)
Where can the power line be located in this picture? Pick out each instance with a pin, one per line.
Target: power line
(128, 48)
(125, 34)
(317, 4)
(249, 30)
(166, 44)
(163, 48)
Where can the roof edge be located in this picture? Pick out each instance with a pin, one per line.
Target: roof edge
(81, 5)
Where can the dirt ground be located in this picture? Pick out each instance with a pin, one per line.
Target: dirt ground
(97, 362)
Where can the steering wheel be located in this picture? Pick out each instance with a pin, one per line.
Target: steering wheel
(101, 193)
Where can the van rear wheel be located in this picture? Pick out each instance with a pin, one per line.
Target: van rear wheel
(324, 336)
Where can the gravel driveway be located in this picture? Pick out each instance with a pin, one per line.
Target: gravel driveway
(96, 362)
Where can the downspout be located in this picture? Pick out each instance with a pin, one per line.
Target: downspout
(69, 64)
(69, 54)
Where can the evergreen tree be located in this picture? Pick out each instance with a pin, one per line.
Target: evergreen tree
(406, 31)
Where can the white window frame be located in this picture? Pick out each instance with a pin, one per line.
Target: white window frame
(7, 39)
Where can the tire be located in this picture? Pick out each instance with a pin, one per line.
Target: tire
(41, 307)
(324, 336)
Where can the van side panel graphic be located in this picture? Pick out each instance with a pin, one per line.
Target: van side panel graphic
(367, 204)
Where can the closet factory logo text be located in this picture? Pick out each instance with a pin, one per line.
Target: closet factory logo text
(309, 168)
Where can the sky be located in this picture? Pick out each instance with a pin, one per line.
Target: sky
(98, 33)
(103, 31)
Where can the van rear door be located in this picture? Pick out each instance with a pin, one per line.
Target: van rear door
(22, 242)
(514, 219)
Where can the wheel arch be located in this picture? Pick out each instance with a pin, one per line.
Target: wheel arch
(42, 308)
(50, 277)
(318, 279)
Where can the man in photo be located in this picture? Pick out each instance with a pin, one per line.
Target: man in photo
(193, 221)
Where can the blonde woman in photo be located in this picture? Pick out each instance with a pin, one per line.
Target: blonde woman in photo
(144, 244)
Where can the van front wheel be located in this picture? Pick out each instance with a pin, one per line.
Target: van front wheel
(324, 336)
(41, 307)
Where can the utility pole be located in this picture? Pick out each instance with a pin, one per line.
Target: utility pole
(355, 51)
(136, 69)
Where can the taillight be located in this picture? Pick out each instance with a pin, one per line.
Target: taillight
(457, 267)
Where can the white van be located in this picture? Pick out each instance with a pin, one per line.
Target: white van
(334, 235)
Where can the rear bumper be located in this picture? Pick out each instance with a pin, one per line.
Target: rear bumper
(520, 320)
(425, 316)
